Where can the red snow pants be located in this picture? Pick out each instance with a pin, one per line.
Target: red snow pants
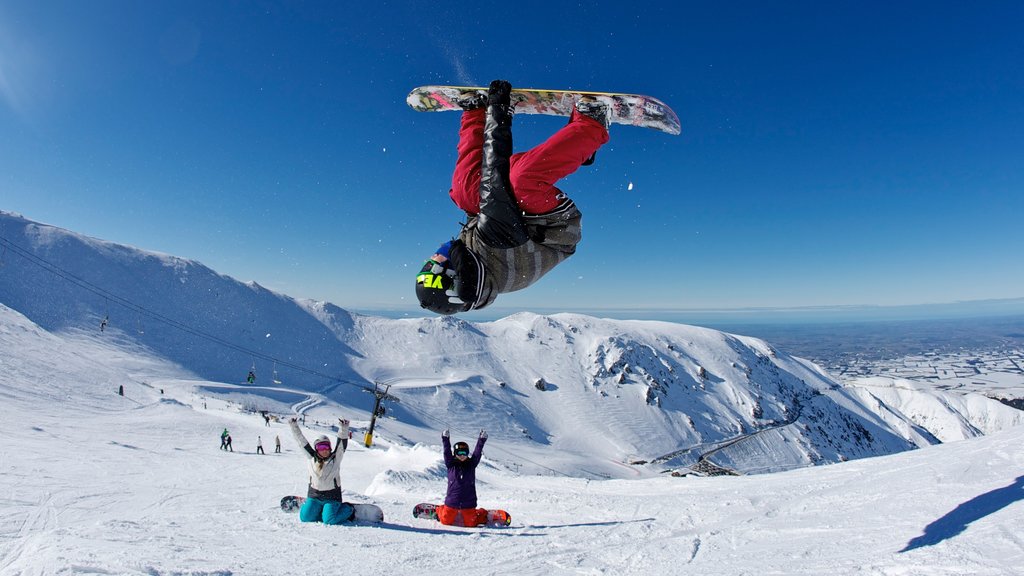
(468, 517)
(533, 173)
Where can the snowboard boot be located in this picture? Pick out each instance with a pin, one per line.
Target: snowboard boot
(472, 100)
(596, 109)
(593, 108)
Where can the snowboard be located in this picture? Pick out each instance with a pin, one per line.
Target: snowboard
(363, 512)
(494, 517)
(628, 109)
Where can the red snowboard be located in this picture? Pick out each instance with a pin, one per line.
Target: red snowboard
(494, 517)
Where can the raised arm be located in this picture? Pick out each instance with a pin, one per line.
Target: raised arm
(300, 439)
(446, 443)
(478, 450)
(342, 445)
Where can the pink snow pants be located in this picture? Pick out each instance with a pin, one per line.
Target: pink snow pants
(534, 172)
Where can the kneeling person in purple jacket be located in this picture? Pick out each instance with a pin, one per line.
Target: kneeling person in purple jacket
(459, 507)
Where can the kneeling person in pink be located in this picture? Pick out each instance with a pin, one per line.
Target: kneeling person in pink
(459, 507)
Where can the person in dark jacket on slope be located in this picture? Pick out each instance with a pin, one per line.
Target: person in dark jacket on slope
(459, 507)
(520, 225)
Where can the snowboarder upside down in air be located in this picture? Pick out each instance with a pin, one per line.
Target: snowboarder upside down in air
(520, 225)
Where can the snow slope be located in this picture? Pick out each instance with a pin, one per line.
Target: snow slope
(95, 483)
(567, 394)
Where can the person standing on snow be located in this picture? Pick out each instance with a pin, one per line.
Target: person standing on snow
(459, 508)
(323, 499)
(259, 445)
(224, 439)
(519, 225)
(277, 444)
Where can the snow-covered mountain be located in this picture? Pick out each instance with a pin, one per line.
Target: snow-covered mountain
(602, 392)
(93, 482)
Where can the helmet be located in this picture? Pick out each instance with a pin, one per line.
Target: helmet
(435, 288)
(322, 441)
(460, 449)
(440, 286)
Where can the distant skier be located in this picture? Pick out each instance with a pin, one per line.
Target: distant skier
(224, 439)
(229, 443)
(259, 445)
(323, 499)
(459, 507)
(519, 225)
(277, 444)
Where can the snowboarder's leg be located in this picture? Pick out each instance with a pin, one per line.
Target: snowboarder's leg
(448, 516)
(312, 510)
(337, 512)
(535, 172)
(465, 191)
(475, 517)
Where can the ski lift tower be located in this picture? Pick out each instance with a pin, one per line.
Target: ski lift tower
(380, 392)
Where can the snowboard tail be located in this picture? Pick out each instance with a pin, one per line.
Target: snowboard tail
(361, 512)
(495, 518)
(627, 109)
(425, 511)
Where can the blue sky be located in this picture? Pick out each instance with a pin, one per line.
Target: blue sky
(832, 154)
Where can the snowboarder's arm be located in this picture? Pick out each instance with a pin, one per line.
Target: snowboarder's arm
(501, 220)
(299, 438)
(446, 443)
(342, 437)
(478, 450)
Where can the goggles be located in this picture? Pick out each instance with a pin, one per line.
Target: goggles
(323, 446)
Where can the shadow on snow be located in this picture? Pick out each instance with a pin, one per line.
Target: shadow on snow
(957, 520)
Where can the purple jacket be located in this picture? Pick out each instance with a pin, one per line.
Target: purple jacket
(461, 475)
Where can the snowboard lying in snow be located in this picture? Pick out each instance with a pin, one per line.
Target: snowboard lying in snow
(363, 512)
(494, 517)
(627, 109)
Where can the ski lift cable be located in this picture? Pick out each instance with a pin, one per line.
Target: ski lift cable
(143, 311)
